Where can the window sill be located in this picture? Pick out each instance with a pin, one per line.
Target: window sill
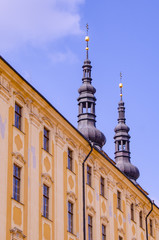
(103, 196)
(72, 233)
(133, 221)
(89, 186)
(119, 209)
(18, 129)
(47, 218)
(47, 152)
(71, 171)
(17, 201)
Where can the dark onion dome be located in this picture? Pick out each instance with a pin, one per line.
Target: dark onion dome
(86, 102)
(122, 142)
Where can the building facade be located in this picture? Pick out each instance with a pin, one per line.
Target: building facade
(41, 188)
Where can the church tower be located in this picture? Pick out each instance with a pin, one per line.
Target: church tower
(86, 103)
(122, 143)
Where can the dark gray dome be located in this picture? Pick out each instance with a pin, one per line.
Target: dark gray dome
(94, 135)
(129, 169)
(121, 126)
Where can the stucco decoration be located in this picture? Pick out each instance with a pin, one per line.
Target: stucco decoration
(17, 216)
(17, 234)
(103, 207)
(47, 232)
(47, 177)
(72, 196)
(91, 209)
(142, 236)
(133, 229)
(19, 157)
(71, 142)
(47, 121)
(47, 164)
(18, 142)
(90, 197)
(121, 230)
(104, 219)
(19, 96)
(2, 127)
(120, 219)
(71, 182)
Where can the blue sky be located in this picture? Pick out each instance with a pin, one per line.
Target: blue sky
(44, 42)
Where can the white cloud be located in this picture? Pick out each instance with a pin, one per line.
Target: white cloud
(37, 21)
(68, 56)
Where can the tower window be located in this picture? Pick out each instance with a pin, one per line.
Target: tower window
(140, 219)
(45, 201)
(119, 200)
(124, 145)
(132, 211)
(90, 228)
(18, 116)
(46, 140)
(102, 186)
(69, 159)
(119, 146)
(84, 108)
(103, 232)
(70, 217)
(89, 107)
(89, 175)
(16, 182)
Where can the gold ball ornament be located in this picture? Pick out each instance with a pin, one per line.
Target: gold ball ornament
(121, 94)
(120, 85)
(87, 39)
(87, 48)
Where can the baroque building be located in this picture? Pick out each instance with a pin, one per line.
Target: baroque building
(41, 165)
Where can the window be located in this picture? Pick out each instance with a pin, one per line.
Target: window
(18, 116)
(90, 228)
(120, 238)
(140, 219)
(16, 182)
(89, 173)
(45, 201)
(151, 227)
(70, 217)
(102, 186)
(119, 200)
(46, 140)
(103, 232)
(124, 145)
(70, 160)
(132, 211)
(119, 146)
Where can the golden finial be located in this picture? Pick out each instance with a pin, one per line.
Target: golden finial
(87, 40)
(121, 86)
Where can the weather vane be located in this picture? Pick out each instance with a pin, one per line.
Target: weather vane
(87, 27)
(121, 86)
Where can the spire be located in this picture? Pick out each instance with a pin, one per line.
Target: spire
(122, 142)
(86, 102)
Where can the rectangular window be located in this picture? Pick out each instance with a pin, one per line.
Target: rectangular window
(18, 111)
(89, 175)
(140, 219)
(69, 159)
(102, 186)
(132, 212)
(46, 140)
(120, 238)
(45, 201)
(90, 228)
(151, 227)
(16, 182)
(119, 200)
(70, 217)
(103, 232)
